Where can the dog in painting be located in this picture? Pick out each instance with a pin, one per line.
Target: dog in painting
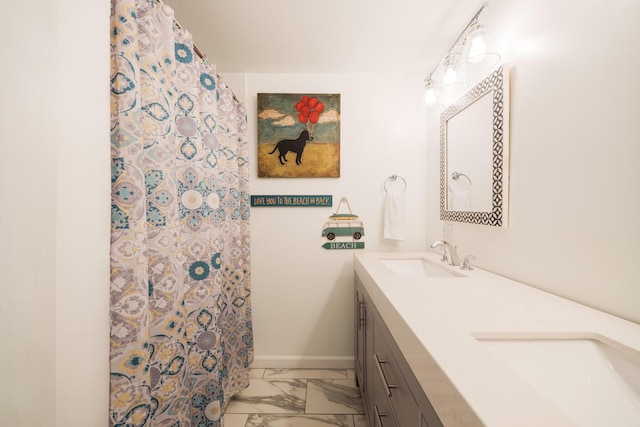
(296, 145)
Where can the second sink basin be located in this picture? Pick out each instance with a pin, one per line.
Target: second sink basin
(593, 381)
(419, 267)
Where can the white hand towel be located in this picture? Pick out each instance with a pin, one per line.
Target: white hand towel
(394, 216)
(461, 200)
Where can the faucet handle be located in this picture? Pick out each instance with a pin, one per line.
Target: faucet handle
(466, 265)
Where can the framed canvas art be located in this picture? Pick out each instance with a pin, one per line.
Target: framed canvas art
(298, 135)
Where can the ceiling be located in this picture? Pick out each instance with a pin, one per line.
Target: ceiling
(328, 36)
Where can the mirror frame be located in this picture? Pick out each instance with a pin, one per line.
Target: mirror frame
(498, 84)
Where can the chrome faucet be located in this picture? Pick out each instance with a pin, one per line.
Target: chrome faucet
(449, 251)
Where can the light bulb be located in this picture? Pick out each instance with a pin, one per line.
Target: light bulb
(478, 49)
(430, 96)
(450, 75)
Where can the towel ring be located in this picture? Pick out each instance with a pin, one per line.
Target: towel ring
(393, 178)
(455, 176)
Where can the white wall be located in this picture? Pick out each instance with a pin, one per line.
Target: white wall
(54, 175)
(83, 214)
(574, 222)
(302, 293)
(28, 219)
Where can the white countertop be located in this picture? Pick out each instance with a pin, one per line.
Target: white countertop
(435, 321)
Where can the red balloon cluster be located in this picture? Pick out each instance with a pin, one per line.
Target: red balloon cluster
(309, 109)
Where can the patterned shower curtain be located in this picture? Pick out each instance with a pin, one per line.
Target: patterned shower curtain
(181, 336)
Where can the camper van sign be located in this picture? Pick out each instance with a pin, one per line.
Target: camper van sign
(343, 230)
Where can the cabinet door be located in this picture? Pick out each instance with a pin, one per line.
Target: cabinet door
(360, 341)
(364, 347)
(369, 372)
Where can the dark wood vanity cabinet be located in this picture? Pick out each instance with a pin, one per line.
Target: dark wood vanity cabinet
(391, 394)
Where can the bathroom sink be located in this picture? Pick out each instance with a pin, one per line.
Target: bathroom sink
(419, 267)
(595, 382)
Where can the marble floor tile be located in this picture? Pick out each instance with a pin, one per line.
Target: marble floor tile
(256, 373)
(260, 420)
(333, 397)
(270, 396)
(338, 374)
(297, 398)
(358, 421)
(235, 420)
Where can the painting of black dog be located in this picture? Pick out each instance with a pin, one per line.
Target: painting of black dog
(296, 145)
(307, 124)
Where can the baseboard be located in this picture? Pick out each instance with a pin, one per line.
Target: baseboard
(303, 362)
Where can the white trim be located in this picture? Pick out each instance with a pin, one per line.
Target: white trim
(306, 362)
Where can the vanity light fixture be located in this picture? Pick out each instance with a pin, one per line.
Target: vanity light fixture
(473, 48)
(452, 85)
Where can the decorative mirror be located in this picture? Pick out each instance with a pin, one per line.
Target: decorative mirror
(474, 154)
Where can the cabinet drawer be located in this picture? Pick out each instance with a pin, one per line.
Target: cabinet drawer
(382, 415)
(393, 383)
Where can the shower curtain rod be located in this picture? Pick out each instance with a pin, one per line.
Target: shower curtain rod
(197, 50)
(177, 24)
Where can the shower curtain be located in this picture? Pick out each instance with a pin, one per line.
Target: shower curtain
(181, 335)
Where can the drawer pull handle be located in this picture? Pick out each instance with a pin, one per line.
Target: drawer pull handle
(387, 386)
(378, 415)
(361, 315)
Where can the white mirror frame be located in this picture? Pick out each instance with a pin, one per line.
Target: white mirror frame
(498, 84)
